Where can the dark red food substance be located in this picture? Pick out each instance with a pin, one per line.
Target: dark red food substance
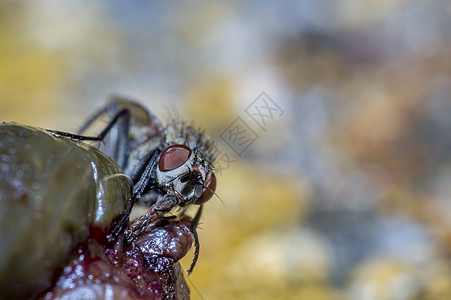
(141, 267)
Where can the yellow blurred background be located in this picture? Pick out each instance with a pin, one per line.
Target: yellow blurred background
(345, 194)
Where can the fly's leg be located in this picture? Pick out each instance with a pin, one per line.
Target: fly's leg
(194, 225)
(119, 135)
(121, 145)
(133, 130)
(106, 109)
(138, 189)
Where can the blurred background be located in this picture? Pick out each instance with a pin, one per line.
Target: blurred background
(342, 193)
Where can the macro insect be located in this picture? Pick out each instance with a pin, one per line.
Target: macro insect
(170, 166)
(56, 191)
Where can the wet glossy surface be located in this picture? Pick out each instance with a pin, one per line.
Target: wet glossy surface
(142, 268)
(53, 190)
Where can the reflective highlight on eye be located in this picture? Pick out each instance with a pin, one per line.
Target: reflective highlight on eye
(209, 190)
(173, 157)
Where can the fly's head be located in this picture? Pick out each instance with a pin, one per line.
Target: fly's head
(185, 165)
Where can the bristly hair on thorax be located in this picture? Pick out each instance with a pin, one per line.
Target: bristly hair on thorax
(181, 132)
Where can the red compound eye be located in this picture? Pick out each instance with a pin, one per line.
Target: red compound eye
(173, 157)
(209, 190)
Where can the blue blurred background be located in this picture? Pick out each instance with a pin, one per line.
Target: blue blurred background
(344, 195)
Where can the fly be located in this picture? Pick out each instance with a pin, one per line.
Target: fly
(170, 166)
